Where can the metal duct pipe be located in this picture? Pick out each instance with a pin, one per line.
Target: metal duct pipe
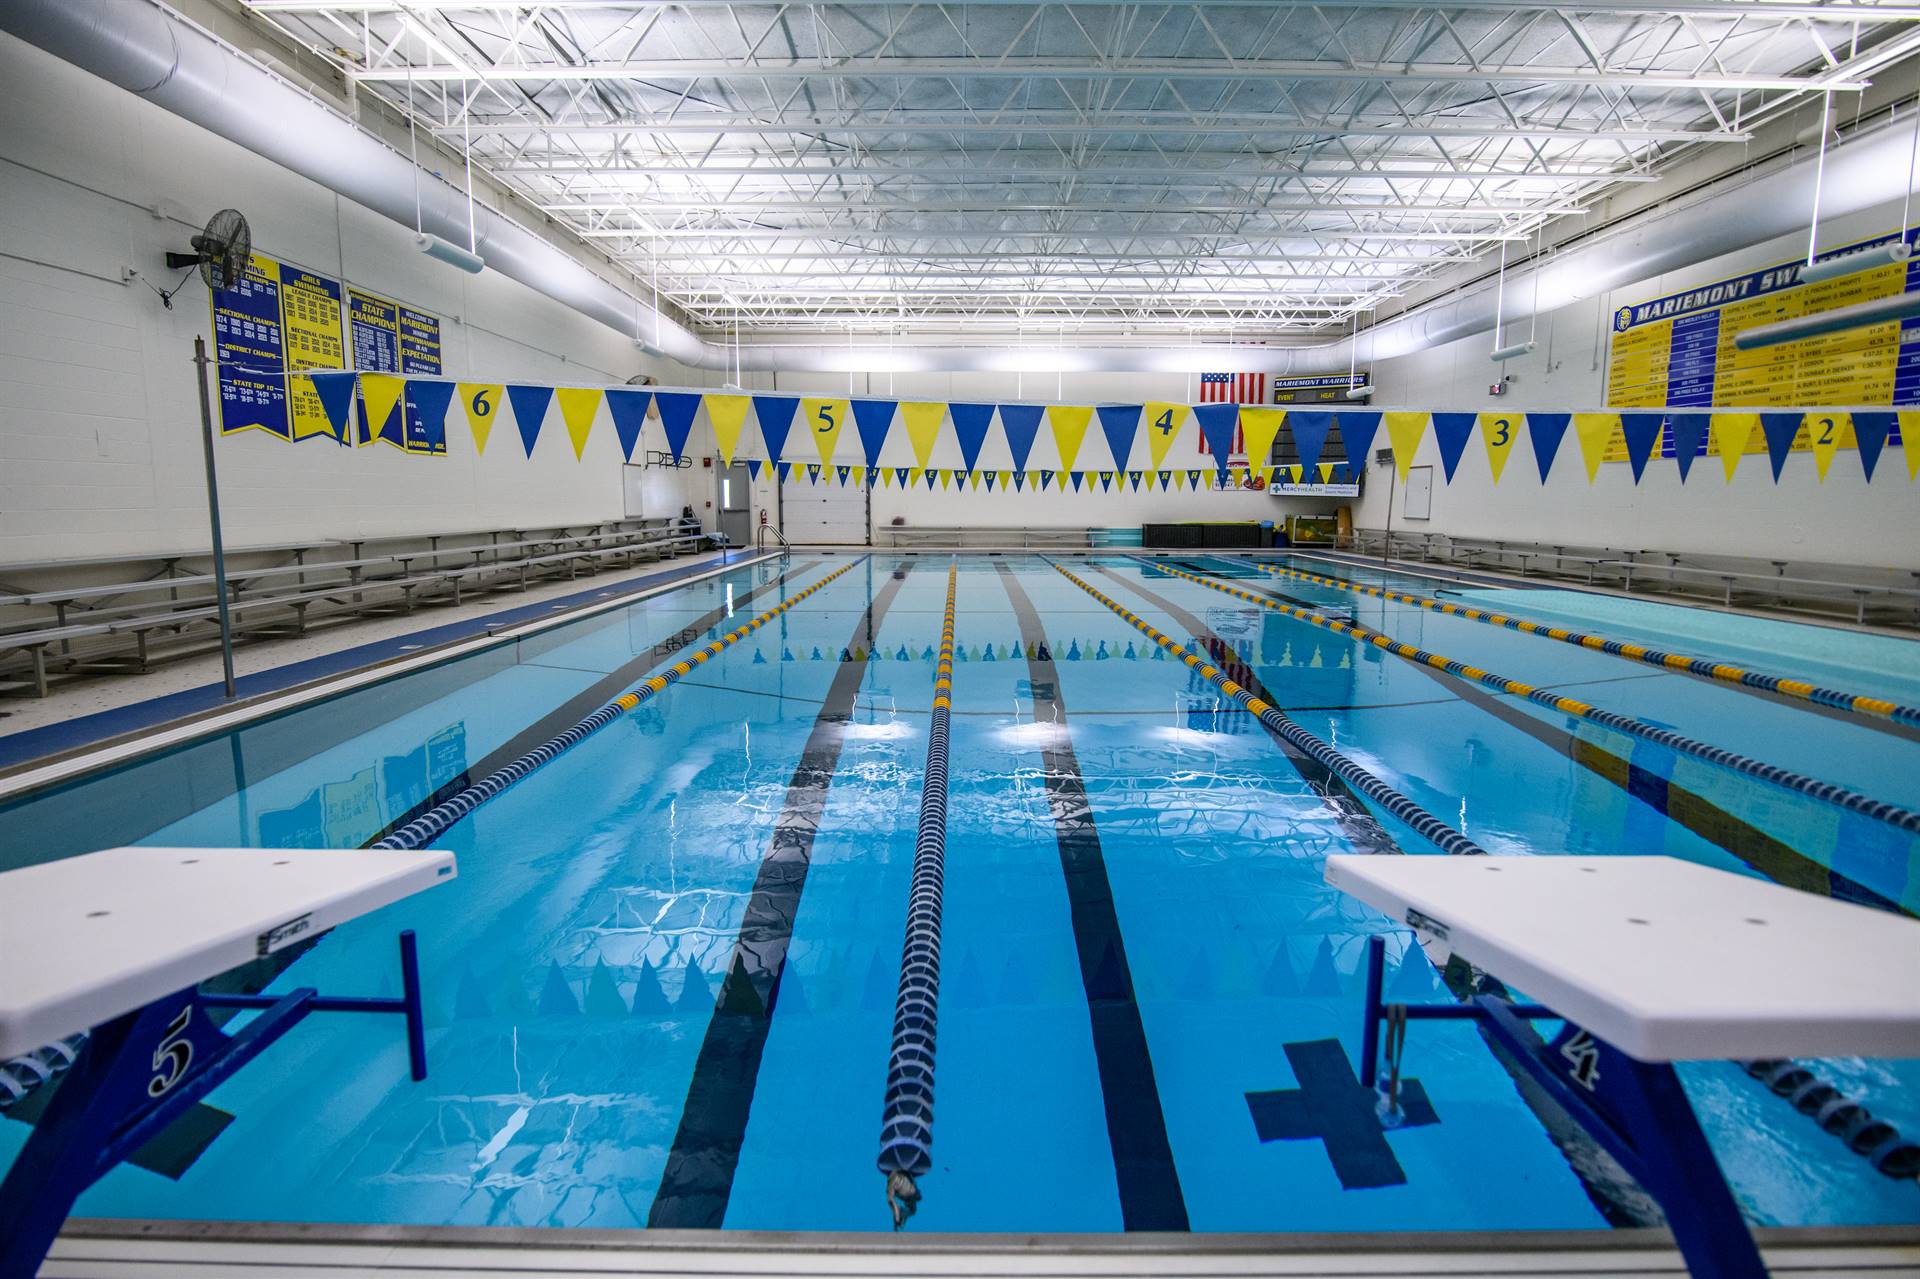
(146, 50)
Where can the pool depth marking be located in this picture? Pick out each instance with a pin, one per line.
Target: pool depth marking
(1894, 815)
(435, 821)
(579, 705)
(698, 1180)
(1143, 1167)
(1726, 673)
(906, 1120)
(1364, 832)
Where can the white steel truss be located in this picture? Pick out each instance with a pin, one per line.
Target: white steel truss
(1236, 168)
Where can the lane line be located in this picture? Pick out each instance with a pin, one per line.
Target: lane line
(698, 1181)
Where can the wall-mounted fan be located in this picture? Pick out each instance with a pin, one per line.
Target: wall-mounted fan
(221, 251)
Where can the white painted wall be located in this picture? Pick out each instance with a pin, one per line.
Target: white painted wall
(1842, 521)
(99, 421)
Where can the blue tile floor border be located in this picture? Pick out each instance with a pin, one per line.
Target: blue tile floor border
(53, 739)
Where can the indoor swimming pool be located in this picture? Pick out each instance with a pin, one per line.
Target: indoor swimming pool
(661, 991)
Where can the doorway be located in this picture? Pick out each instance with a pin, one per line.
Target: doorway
(734, 510)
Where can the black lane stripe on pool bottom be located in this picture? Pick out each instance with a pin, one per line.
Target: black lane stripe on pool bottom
(1362, 829)
(1149, 1184)
(1606, 1186)
(698, 1181)
(587, 700)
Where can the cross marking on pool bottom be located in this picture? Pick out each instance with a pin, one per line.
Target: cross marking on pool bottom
(1333, 1105)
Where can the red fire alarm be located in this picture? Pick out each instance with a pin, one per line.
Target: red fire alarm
(706, 461)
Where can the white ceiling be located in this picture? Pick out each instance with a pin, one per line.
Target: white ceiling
(1077, 170)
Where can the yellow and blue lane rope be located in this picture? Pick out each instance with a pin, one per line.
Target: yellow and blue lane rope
(1894, 815)
(906, 1120)
(1726, 673)
(431, 824)
(1425, 824)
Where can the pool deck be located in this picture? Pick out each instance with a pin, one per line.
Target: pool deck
(104, 1249)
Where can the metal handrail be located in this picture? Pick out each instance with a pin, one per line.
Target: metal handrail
(760, 539)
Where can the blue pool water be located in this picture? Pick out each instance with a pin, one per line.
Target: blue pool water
(1136, 927)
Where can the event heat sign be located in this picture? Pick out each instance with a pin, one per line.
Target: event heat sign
(1677, 351)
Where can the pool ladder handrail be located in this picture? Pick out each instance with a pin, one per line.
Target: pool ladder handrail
(786, 547)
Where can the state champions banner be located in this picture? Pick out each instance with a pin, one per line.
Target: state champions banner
(996, 446)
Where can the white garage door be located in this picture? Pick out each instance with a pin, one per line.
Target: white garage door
(835, 514)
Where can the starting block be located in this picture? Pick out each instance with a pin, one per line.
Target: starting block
(117, 942)
(1647, 961)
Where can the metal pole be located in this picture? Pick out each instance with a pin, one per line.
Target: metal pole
(213, 516)
(1386, 543)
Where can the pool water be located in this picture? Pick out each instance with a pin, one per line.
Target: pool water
(1138, 942)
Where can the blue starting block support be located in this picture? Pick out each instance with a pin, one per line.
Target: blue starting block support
(177, 915)
(1644, 961)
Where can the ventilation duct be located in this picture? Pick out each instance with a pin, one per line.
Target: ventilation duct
(147, 50)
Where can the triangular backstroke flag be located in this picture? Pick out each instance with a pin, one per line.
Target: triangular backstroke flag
(1019, 480)
(335, 393)
(988, 476)
(1163, 421)
(1106, 481)
(1779, 429)
(1020, 423)
(1595, 432)
(1497, 431)
(728, 413)
(823, 419)
(382, 392)
(529, 411)
(1870, 432)
(1193, 479)
(946, 478)
(1910, 442)
(1546, 430)
(874, 474)
(1216, 428)
(754, 467)
(1357, 430)
(1450, 434)
(482, 404)
(1688, 431)
(775, 415)
(578, 405)
(841, 473)
(1641, 431)
(628, 409)
(1729, 433)
(426, 416)
(784, 469)
(1075, 477)
(1260, 427)
(873, 419)
(970, 425)
(900, 474)
(1133, 480)
(923, 427)
(1310, 431)
(1119, 423)
(933, 477)
(1824, 431)
(1006, 478)
(1069, 423)
(1404, 432)
(1046, 478)
(813, 472)
(676, 418)
(973, 480)
(1166, 479)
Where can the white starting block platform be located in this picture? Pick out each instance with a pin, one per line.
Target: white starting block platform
(85, 939)
(1665, 959)
(1646, 961)
(116, 944)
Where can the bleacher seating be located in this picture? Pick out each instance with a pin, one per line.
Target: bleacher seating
(125, 612)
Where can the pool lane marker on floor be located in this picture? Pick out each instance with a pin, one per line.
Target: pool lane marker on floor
(697, 1183)
(906, 1120)
(1424, 824)
(1143, 1166)
(1894, 815)
(433, 823)
(1803, 690)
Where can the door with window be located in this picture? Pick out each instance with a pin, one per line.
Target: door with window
(734, 508)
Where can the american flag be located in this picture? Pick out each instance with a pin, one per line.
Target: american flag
(1232, 388)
